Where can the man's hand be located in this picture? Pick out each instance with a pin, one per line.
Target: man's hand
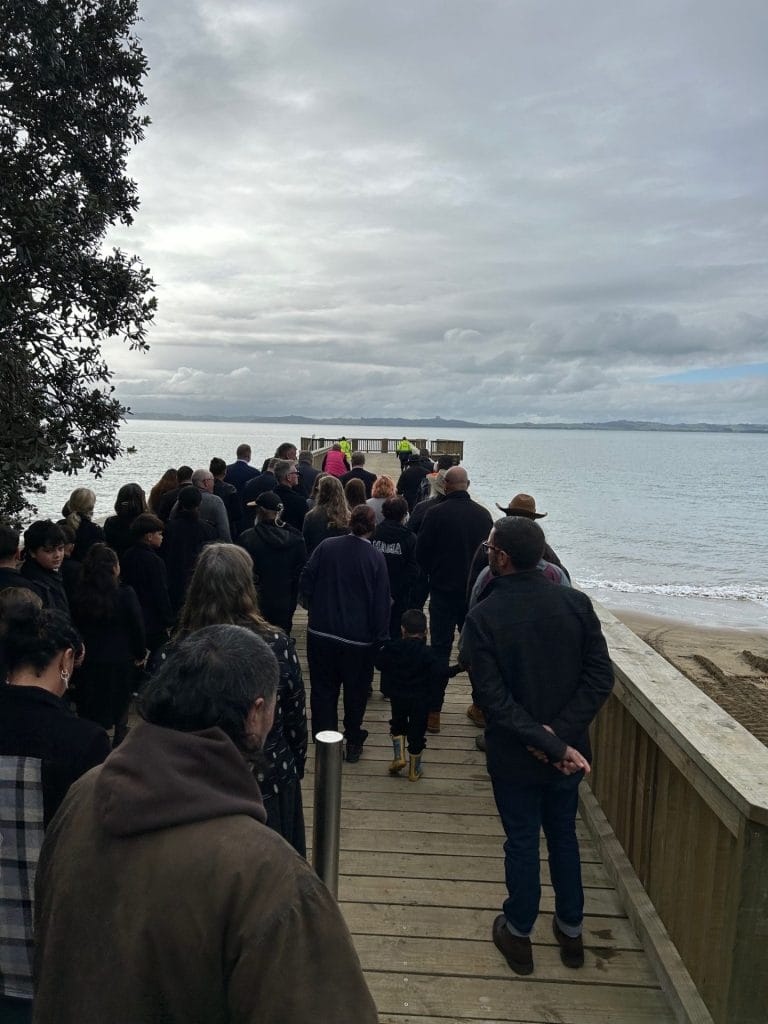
(573, 762)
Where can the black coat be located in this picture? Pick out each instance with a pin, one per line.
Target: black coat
(448, 539)
(239, 473)
(420, 509)
(409, 482)
(48, 584)
(316, 529)
(307, 476)
(119, 639)
(253, 488)
(117, 533)
(183, 539)
(358, 473)
(231, 498)
(410, 669)
(536, 657)
(37, 724)
(294, 506)
(278, 554)
(143, 568)
(398, 545)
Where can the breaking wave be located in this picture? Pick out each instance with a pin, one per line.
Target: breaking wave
(750, 592)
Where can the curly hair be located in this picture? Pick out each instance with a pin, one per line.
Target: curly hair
(330, 497)
(95, 596)
(383, 487)
(169, 481)
(221, 592)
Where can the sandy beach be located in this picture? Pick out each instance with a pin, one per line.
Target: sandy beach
(730, 665)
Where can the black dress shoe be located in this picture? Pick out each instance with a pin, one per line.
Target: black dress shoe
(571, 949)
(354, 750)
(516, 949)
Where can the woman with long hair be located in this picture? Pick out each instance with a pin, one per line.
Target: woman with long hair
(383, 488)
(108, 615)
(78, 513)
(354, 492)
(130, 503)
(312, 499)
(221, 592)
(330, 515)
(169, 481)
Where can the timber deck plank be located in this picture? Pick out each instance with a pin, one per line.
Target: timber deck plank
(422, 878)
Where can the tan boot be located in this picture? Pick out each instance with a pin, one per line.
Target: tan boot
(433, 721)
(476, 716)
(398, 760)
(414, 767)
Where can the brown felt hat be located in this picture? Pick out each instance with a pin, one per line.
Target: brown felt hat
(522, 505)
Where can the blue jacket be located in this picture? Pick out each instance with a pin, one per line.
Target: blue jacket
(345, 588)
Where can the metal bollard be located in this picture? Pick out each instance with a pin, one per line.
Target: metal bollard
(326, 833)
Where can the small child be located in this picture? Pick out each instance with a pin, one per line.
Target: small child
(411, 675)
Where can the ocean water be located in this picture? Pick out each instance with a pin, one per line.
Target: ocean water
(669, 524)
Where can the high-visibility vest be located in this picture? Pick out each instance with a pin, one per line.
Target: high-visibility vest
(403, 446)
(346, 447)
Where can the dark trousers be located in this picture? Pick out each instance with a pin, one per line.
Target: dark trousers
(409, 718)
(15, 1011)
(333, 665)
(446, 614)
(524, 810)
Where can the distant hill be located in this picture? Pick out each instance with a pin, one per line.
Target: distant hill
(437, 422)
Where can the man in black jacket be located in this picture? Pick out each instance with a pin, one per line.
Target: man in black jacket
(358, 473)
(293, 501)
(43, 554)
(540, 671)
(445, 545)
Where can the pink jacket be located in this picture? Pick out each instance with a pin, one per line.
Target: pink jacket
(335, 463)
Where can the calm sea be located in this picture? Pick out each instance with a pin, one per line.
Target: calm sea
(670, 524)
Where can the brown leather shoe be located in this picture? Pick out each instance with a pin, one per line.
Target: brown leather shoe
(433, 721)
(571, 950)
(516, 950)
(476, 716)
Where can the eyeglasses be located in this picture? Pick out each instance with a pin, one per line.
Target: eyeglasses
(487, 546)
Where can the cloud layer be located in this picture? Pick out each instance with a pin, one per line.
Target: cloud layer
(501, 210)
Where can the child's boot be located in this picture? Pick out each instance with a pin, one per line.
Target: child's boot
(414, 767)
(398, 760)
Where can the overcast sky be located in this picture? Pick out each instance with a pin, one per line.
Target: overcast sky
(512, 210)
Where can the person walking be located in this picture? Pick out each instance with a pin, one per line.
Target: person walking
(445, 545)
(382, 488)
(335, 461)
(540, 671)
(221, 591)
(330, 515)
(184, 538)
(44, 544)
(398, 545)
(129, 504)
(143, 568)
(345, 589)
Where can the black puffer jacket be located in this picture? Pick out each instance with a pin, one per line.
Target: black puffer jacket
(411, 669)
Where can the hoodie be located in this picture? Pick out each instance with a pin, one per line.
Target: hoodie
(279, 554)
(181, 904)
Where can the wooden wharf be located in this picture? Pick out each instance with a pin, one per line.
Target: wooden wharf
(674, 839)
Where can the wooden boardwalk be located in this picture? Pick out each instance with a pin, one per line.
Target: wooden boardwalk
(422, 878)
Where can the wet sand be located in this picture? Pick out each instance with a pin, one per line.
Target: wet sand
(729, 665)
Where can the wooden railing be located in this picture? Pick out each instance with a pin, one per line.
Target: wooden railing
(385, 445)
(684, 788)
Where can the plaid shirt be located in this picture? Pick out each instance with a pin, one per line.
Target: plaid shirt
(21, 837)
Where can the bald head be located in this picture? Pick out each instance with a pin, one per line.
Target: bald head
(456, 479)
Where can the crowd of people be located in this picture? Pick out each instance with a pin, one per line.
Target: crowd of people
(167, 601)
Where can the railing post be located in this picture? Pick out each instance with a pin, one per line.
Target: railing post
(327, 818)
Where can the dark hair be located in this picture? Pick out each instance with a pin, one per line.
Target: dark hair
(243, 451)
(217, 466)
(354, 492)
(395, 509)
(43, 533)
(362, 520)
(144, 524)
(522, 539)
(285, 447)
(131, 501)
(9, 541)
(212, 679)
(190, 499)
(446, 461)
(184, 473)
(414, 621)
(95, 593)
(34, 636)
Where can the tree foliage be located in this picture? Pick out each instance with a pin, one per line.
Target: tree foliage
(70, 110)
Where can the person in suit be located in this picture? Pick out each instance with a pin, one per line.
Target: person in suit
(358, 473)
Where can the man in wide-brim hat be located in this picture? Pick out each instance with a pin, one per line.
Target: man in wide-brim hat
(521, 505)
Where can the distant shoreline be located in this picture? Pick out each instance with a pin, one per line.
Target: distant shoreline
(438, 422)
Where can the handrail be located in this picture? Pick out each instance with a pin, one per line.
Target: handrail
(684, 788)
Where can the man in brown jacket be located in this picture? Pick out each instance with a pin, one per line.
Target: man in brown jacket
(161, 894)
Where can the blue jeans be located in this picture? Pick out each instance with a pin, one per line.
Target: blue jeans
(526, 808)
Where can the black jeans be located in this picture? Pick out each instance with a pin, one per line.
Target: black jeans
(409, 718)
(446, 614)
(333, 665)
